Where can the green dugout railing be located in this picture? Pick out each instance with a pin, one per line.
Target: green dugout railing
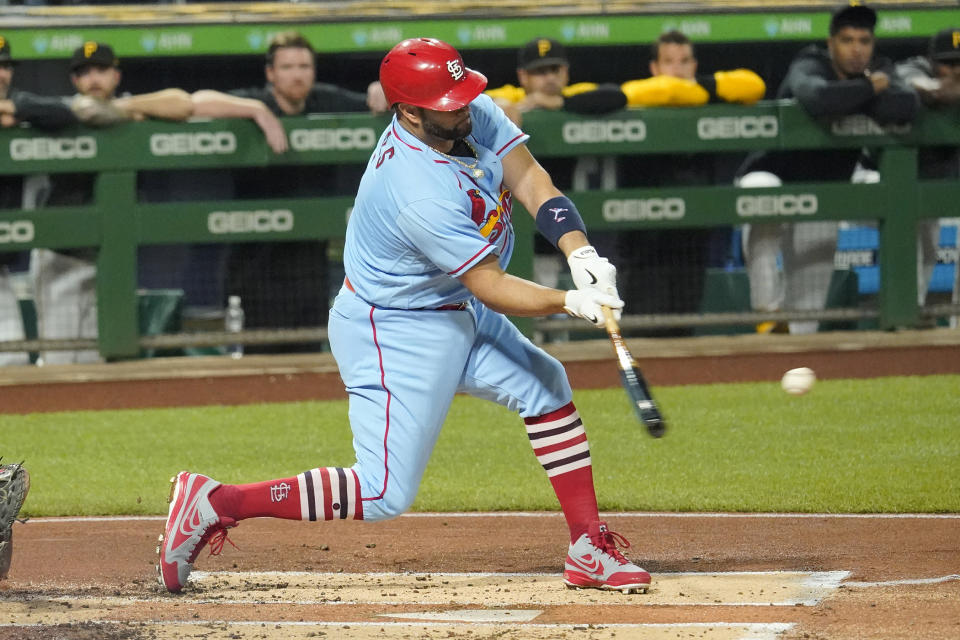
(117, 223)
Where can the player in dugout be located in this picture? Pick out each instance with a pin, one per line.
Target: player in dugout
(285, 284)
(420, 317)
(844, 79)
(936, 79)
(543, 73)
(674, 80)
(675, 259)
(64, 281)
(11, 189)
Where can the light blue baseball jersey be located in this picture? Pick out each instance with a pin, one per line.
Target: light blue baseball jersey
(421, 219)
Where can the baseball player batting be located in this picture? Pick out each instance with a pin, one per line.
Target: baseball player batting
(420, 317)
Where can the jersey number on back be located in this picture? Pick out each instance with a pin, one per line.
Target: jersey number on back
(386, 155)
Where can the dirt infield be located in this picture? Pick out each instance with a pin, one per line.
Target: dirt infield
(716, 576)
(856, 577)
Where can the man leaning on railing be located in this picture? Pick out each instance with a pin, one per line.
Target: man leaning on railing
(64, 281)
(664, 270)
(846, 78)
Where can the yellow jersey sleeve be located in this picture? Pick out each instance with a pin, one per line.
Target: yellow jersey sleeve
(508, 93)
(578, 88)
(740, 85)
(664, 91)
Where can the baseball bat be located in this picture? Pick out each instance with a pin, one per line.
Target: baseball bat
(633, 381)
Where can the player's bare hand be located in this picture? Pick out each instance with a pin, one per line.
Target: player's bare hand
(376, 99)
(879, 80)
(590, 271)
(273, 131)
(939, 91)
(7, 120)
(588, 304)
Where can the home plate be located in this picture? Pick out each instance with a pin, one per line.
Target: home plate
(749, 588)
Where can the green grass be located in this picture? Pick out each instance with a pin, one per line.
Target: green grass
(881, 445)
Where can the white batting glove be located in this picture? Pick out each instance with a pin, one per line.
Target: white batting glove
(587, 303)
(590, 271)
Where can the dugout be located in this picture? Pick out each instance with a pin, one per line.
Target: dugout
(215, 52)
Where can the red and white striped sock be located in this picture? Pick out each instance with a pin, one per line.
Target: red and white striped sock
(560, 444)
(326, 493)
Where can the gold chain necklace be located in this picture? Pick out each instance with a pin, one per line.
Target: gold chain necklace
(474, 170)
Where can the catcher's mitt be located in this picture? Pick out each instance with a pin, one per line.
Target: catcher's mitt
(14, 485)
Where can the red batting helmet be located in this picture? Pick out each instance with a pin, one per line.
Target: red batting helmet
(429, 73)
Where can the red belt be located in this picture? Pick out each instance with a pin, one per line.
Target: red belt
(454, 306)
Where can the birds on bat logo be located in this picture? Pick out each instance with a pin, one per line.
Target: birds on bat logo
(490, 222)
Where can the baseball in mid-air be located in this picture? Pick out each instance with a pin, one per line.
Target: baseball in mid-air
(798, 381)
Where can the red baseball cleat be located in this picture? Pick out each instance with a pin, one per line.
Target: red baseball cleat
(191, 523)
(594, 562)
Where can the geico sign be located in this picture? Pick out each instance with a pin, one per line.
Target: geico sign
(16, 231)
(332, 139)
(861, 125)
(192, 144)
(53, 148)
(788, 204)
(604, 131)
(730, 128)
(647, 209)
(259, 221)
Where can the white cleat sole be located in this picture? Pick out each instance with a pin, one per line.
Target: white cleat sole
(638, 588)
(173, 488)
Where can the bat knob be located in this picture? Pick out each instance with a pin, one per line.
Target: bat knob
(653, 421)
(657, 428)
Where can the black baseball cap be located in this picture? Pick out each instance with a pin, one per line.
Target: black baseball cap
(5, 57)
(93, 53)
(945, 45)
(541, 52)
(853, 14)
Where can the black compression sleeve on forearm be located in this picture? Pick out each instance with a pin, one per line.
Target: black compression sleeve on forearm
(603, 99)
(43, 112)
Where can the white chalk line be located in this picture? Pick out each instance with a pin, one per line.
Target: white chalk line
(905, 582)
(384, 602)
(551, 514)
(772, 627)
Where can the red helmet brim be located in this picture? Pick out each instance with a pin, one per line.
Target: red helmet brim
(463, 93)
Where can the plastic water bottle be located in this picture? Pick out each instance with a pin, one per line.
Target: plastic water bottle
(233, 322)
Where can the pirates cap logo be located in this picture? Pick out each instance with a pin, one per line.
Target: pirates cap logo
(955, 39)
(543, 47)
(3, 42)
(89, 48)
(455, 68)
